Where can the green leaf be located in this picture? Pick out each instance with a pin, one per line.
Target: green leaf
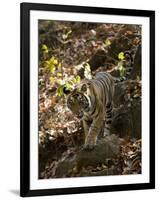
(121, 56)
(53, 61)
(51, 64)
(68, 86)
(59, 74)
(121, 68)
(74, 81)
(107, 42)
(44, 48)
(52, 80)
(59, 65)
(78, 79)
(52, 68)
(87, 71)
(122, 71)
(59, 91)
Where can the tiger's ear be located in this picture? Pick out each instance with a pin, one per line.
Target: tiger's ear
(84, 87)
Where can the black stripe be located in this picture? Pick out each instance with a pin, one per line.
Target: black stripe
(104, 92)
(107, 83)
(129, 69)
(109, 110)
(107, 127)
(109, 122)
(94, 108)
(109, 116)
(108, 105)
(96, 115)
(103, 87)
(107, 78)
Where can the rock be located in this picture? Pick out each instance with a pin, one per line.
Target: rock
(127, 115)
(127, 121)
(106, 148)
(105, 172)
(64, 167)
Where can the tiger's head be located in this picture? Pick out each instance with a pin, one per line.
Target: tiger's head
(79, 100)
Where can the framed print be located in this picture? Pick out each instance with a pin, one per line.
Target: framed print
(87, 99)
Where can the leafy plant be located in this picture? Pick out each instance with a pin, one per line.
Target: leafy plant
(68, 85)
(51, 64)
(107, 42)
(121, 69)
(87, 71)
(44, 48)
(121, 56)
(59, 91)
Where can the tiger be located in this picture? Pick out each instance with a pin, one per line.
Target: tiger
(92, 101)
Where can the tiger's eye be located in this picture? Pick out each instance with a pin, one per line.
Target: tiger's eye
(76, 96)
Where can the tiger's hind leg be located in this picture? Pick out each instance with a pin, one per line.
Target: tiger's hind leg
(108, 119)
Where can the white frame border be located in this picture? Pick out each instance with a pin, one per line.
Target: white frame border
(36, 183)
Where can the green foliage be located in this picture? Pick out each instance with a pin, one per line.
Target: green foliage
(121, 56)
(59, 74)
(52, 80)
(59, 91)
(44, 48)
(121, 69)
(51, 64)
(76, 80)
(87, 71)
(68, 85)
(107, 42)
(120, 66)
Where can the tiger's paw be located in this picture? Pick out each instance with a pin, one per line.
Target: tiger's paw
(90, 143)
(88, 146)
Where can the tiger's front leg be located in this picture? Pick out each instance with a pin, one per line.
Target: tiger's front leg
(92, 134)
(86, 125)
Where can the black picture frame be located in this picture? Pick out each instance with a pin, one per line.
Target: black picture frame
(25, 9)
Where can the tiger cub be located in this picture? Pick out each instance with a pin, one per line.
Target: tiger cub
(92, 100)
